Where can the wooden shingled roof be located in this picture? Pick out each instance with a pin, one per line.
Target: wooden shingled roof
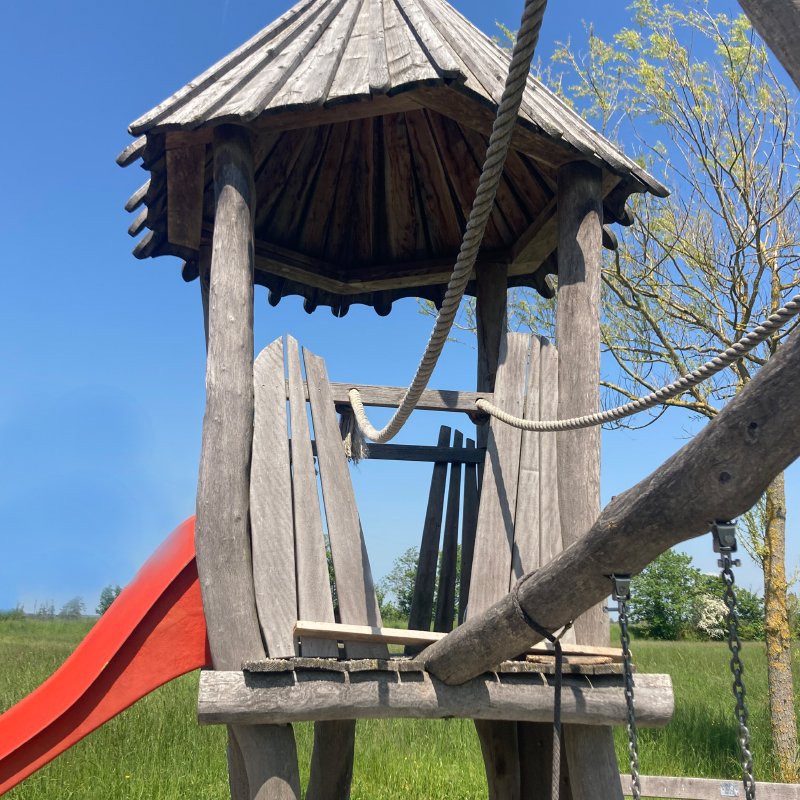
(370, 122)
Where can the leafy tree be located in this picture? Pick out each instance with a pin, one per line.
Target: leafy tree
(73, 609)
(663, 594)
(749, 606)
(46, 611)
(399, 583)
(107, 597)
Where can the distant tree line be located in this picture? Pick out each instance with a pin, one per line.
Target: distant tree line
(73, 609)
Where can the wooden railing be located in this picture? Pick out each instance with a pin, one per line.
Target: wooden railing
(707, 788)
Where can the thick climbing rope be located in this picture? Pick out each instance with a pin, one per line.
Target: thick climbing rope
(660, 396)
(499, 142)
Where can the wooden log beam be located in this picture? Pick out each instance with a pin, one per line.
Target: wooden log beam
(718, 475)
(221, 535)
(778, 22)
(256, 698)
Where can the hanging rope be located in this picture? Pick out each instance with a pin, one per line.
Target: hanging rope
(660, 396)
(503, 127)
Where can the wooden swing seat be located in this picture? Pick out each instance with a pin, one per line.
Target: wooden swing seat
(344, 671)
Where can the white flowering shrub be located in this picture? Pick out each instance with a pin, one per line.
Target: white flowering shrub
(710, 614)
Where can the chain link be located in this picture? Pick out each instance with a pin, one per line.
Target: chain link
(633, 740)
(737, 668)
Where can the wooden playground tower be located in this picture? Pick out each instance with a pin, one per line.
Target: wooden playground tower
(336, 156)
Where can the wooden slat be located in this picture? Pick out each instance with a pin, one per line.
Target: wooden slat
(314, 601)
(311, 81)
(367, 633)
(407, 61)
(352, 77)
(491, 564)
(446, 592)
(592, 761)
(342, 216)
(362, 224)
(268, 697)
(424, 453)
(331, 772)
(550, 543)
(272, 529)
(707, 788)
(539, 239)
(425, 582)
(437, 202)
(315, 226)
(379, 81)
(435, 49)
(355, 589)
(468, 528)
(527, 532)
(405, 238)
(499, 748)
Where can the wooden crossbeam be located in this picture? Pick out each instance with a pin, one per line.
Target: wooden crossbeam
(707, 788)
(365, 633)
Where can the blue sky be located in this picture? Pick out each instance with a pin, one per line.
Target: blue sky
(102, 356)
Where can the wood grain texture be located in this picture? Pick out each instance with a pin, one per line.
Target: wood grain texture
(468, 529)
(499, 748)
(778, 22)
(204, 270)
(446, 592)
(707, 788)
(185, 173)
(237, 771)
(719, 474)
(270, 756)
(255, 698)
(406, 60)
(314, 601)
(494, 539)
(271, 524)
(379, 82)
(355, 589)
(580, 257)
(223, 493)
(352, 76)
(592, 762)
(536, 762)
(332, 760)
(421, 613)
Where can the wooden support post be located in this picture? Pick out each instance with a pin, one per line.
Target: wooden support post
(222, 538)
(421, 613)
(468, 529)
(536, 762)
(591, 760)
(498, 739)
(332, 760)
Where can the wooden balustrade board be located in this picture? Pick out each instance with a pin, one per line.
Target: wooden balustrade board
(707, 788)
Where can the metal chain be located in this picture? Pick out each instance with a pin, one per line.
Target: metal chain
(725, 544)
(622, 594)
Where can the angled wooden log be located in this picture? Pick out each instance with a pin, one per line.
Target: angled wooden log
(778, 22)
(719, 475)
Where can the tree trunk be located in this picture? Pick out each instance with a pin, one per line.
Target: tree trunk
(779, 657)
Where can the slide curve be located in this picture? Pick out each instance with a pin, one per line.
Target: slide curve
(153, 632)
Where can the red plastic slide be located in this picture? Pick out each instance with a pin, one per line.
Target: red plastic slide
(153, 632)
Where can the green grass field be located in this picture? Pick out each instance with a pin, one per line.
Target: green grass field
(156, 749)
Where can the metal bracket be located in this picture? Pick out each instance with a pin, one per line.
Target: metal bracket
(621, 588)
(724, 533)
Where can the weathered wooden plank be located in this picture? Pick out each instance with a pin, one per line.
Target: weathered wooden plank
(405, 237)
(360, 249)
(539, 239)
(495, 535)
(419, 618)
(185, 180)
(271, 525)
(580, 258)
(332, 760)
(342, 215)
(536, 762)
(355, 589)
(365, 633)
(277, 697)
(446, 593)
(550, 542)
(314, 601)
(707, 788)
(468, 528)
(407, 452)
(435, 49)
(315, 226)
(379, 82)
(527, 533)
(270, 756)
(719, 475)
(311, 81)
(437, 202)
(407, 61)
(351, 81)
(592, 761)
(499, 747)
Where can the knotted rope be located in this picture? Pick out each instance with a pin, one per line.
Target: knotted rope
(503, 127)
(674, 389)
